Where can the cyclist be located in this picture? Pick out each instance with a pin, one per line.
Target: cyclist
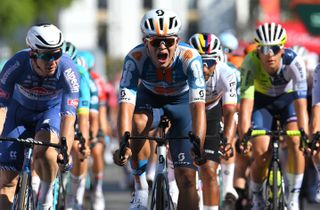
(75, 193)
(97, 142)
(316, 124)
(273, 81)
(172, 83)
(37, 85)
(221, 97)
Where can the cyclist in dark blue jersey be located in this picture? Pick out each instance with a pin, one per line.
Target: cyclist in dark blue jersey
(39, 94)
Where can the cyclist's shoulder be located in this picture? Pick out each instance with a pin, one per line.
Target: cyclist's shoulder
(288, 56)
(186, 53)
(137, 54)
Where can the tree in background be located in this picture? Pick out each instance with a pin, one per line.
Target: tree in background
(16, 14)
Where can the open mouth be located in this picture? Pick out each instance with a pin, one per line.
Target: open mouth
(162, 57)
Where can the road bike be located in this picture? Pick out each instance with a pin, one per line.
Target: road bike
(24, 198)
(274, 187)
(160, 196)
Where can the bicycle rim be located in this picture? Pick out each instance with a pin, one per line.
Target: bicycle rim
(161, 199)
(24, 200)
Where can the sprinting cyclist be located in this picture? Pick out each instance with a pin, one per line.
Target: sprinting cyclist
(171, 83)
(75, 192)
(273, 81)
(221, 100)
(39, 97)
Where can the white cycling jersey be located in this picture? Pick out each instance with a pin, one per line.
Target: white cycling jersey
(222, 84)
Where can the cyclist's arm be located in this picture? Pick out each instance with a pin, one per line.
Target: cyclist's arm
(3, 113)
(316, 101)
(67, 129)
(302, 113)
(125, 118)
(245, 114)
(199, 124)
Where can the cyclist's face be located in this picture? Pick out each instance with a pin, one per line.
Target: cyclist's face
(270, 57)
(209, 65)
(162, 50)
(47, 61)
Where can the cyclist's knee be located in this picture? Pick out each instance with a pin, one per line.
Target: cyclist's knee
(209, 172)
(186, 178)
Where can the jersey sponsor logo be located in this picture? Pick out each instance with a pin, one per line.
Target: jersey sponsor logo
(181, 157)
(137, 55)
(73, 102)
(188, 54)
(9, 71)
(299, 67)
(13, 155)
(127, 73)
(72, 79)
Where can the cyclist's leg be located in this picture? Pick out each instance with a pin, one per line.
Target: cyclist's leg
(295, 167)
(208, 171)
(262, 119)
(45, 159)
(185, 172)
(11, 155)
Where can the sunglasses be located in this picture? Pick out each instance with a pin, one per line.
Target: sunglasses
(49, 56)
(209, 62)
(226, 50)
(157, 42)
(273, 49)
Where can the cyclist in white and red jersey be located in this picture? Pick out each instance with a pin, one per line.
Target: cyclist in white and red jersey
(221, 100)
(273, 82)
(39, 97)
(172, 83)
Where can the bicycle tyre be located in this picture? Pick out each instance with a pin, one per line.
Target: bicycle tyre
(275, 201)
(24, 199)
(162, 199)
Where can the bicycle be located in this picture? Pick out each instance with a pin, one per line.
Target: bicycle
(274, 188)
(23, 198)
(160, 196)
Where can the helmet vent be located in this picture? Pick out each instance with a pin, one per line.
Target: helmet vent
(161, 23)
(150, 24)
(171, 21)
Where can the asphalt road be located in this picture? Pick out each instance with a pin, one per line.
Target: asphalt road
(118, 198)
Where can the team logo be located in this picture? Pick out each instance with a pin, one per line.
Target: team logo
(73, 102)
(181, 157)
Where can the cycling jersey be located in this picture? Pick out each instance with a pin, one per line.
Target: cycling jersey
(94, 100)
(184, 73)
(291, 76)
(316, 86)
(100, 83)
(34, 103)
(221, 84)
(20, 82)
(84, 98)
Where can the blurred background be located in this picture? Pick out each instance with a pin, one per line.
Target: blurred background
(110, 28)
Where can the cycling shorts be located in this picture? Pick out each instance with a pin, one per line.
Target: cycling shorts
(265, 107)
(23, 123)
(177, 109)
(212, 141)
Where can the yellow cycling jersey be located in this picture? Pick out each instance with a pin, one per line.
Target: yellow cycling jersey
(291, 76)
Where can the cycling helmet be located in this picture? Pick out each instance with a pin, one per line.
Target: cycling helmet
(208, 45)
(88, 57)
(70, 49)
(44, 37)
(160, 22)
(300, 50)
(270, 34)
(81, 62)
(228, 40)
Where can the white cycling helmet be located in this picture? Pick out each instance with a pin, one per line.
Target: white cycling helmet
(208, 45)
(270, 34)
(44, 37)
(160, 22)
(229, 40)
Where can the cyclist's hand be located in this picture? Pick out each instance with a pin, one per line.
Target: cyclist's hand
(243, 149)
(64, 167)
(84, 153)
(226, 151)
(124, 158)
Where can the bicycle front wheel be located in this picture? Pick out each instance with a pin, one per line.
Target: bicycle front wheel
(163, 199)
(278, 201)
(24, 196)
